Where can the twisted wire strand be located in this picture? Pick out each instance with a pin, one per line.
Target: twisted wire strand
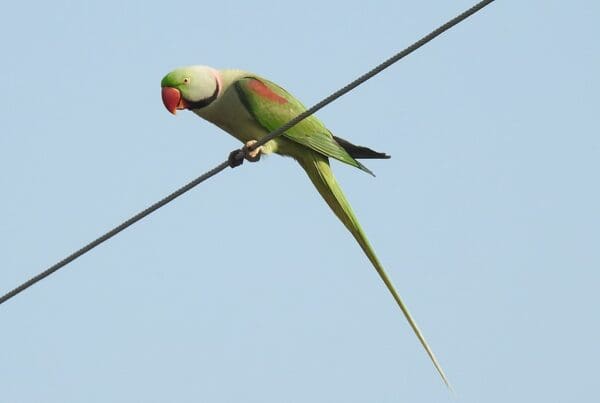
(236, 157)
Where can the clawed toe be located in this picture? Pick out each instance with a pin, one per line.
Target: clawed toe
(253, 155)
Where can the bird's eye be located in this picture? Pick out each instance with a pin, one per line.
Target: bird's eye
(186, 80)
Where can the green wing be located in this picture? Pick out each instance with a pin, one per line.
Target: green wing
(272, 107)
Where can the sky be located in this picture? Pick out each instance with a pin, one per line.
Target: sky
(247, 288)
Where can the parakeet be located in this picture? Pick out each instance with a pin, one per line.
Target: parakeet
(248, 107)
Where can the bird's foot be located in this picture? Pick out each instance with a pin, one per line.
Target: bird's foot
(254, 155)
(236, 157)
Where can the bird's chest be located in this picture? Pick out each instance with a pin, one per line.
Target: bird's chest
(229, 114)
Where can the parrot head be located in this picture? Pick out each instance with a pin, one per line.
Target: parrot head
(191, 87)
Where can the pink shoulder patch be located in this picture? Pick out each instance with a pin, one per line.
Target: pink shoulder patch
(262, 90)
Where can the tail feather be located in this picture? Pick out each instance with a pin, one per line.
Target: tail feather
(318, 169)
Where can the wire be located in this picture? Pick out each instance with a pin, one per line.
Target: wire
(236, 157)
(371, 73)
(115, 231)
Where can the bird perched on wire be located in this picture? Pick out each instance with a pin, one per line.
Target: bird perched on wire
(249, 107)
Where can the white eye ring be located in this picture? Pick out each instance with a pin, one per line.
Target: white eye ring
(186, 80)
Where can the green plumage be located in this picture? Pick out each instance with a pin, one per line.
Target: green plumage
(249, 107)
(319, 144)
(272, 114)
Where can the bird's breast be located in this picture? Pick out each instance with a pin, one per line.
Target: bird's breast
(230, 114)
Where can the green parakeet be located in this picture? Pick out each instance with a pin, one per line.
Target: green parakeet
(248, 107)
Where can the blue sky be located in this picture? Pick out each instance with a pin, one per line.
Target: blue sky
(247, 289)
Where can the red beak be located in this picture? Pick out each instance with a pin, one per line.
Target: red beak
(171, 97)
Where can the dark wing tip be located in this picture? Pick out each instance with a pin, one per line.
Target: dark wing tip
(360, 152)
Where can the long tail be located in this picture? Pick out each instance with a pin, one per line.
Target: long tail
(319, 172)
